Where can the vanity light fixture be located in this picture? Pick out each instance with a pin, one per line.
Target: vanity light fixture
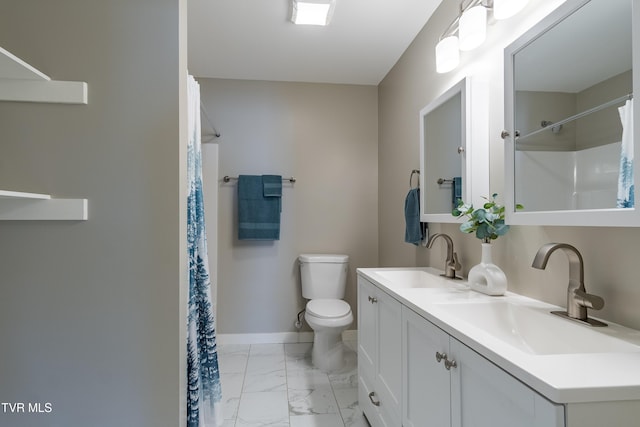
(447, 54)
(469, 29)
(472, 27)
(312, 12)
(503, 9)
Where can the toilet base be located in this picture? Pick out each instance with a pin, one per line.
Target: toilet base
(327, 353)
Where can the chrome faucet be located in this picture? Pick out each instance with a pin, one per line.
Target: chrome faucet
(451, 263)
(578, 300)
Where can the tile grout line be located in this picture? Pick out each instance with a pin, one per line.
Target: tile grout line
(244, 378)
(286, 382)
(333, 390)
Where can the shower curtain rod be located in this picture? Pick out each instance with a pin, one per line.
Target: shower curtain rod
(206, 116)
(579, 115)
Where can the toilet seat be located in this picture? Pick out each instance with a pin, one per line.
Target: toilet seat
(328, 308)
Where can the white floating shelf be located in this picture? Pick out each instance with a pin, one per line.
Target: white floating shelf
(18, 206)
(20, 81)
(51, 91)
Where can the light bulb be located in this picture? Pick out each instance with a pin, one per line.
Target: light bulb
(447, 54)
(503, 9)
(472, 28)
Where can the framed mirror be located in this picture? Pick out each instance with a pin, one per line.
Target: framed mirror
(454, 156)
(569, 84)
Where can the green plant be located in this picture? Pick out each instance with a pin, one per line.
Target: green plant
(487, 222)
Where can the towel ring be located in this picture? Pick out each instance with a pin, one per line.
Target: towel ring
(414, 172)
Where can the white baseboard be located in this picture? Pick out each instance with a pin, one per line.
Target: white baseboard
(350, 335)
(276, 338)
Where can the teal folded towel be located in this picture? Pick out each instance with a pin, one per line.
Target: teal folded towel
(272, 185)
(414, 232)
(258, 216)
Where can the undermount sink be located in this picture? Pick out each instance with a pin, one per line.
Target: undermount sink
(415, 278)
(536, 331)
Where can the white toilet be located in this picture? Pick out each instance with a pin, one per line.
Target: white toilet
(324, 280)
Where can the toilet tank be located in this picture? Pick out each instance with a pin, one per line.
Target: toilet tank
(323, 275)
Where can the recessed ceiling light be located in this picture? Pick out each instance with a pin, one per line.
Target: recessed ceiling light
(312, 12)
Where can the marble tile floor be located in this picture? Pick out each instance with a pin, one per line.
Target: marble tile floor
(276, 385)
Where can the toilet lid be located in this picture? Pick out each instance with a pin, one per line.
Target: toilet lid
(328, 308)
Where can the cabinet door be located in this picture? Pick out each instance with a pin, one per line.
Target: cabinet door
(367, 327)
(379, 355)
(483, 395)
(426, 382)
(388, 383)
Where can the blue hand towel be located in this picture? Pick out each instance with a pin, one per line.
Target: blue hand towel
(456, 190)
(258, 216)
(414, 231)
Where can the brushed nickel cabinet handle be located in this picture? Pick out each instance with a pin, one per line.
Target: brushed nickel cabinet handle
(373, 401)
(505, 134)
(448, 364)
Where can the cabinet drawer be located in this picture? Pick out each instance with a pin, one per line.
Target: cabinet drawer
(366, 401)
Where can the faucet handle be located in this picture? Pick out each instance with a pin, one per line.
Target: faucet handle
(588, 300)
(456, 263)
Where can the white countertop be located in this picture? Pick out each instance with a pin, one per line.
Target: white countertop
(562, 378)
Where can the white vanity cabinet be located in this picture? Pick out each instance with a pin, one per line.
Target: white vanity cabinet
(413, 374)
(445, 356)
(445, 383)
(379, 355)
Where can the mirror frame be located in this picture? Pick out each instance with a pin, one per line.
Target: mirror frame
(613, 217)
(475, 144)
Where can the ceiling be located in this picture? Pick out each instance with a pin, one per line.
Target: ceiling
(254, 40)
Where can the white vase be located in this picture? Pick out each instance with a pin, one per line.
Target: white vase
(487, 277)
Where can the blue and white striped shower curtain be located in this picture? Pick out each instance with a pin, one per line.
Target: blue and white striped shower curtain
(204, 393)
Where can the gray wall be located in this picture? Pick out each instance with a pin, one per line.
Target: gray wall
(596, 129)
(326, 136)
(90, 311)
(602, 127)
(533, 107)
(610, 254)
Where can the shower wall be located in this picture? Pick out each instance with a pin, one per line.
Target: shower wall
(585, 179)
(577, 165)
